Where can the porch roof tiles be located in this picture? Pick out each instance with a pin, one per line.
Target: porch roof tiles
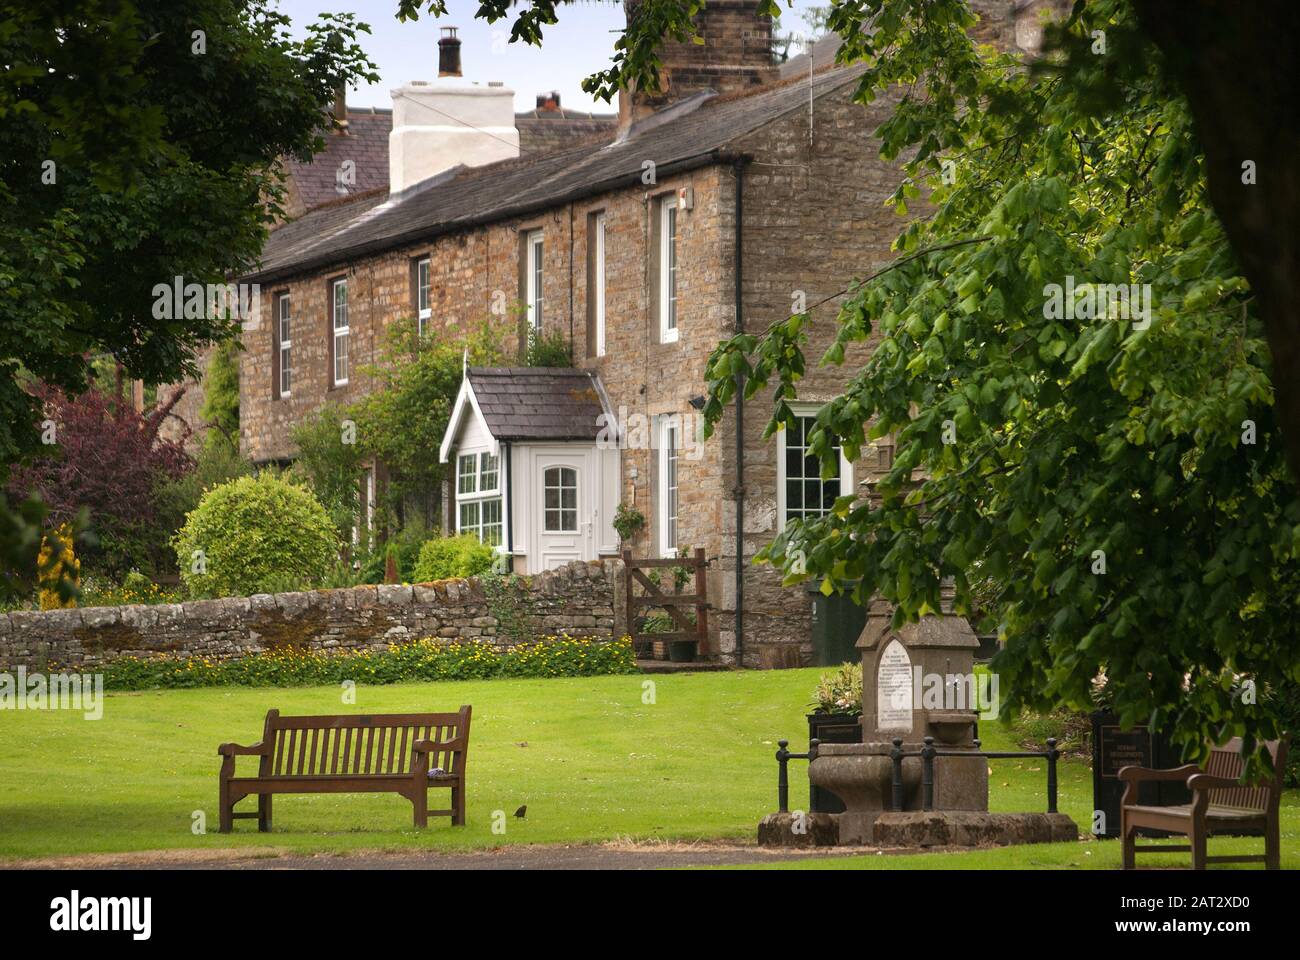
(539, 403)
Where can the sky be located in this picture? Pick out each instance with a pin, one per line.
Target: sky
(580, 44)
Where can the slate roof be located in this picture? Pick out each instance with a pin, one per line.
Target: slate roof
(366, 145)
(462, 197)
(539, 403)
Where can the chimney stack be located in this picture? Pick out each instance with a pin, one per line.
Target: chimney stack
(341, 109)
(449, 53)
(448, 122)
(548, 102)
(736, 56)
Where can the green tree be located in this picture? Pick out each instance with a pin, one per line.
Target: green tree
(1113, 479)
(139, 141)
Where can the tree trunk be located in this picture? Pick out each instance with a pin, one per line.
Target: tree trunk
(1239, 67)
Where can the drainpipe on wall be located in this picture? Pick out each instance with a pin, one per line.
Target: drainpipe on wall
(738, 166)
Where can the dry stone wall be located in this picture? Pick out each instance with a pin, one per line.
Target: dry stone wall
(580, 599)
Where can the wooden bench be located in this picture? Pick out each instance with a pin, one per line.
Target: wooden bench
(404, 753)
(1220, 804)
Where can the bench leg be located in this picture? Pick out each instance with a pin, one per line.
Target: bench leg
(264, 812)
(1198, 848)
(420, 800)
(458, 806)
(1128, 841)
(224, 809)
(1272, 845)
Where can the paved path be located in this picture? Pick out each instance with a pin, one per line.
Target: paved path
(538, 857)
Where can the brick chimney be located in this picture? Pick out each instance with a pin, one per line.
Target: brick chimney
(340, 110)
(548, 102)
(449, 53)
(736, 55)
(443, 123)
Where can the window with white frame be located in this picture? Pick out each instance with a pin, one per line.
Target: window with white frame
(668, 269)
(533, 278)
(598, 281)
(423, 310)
(478, 497)
(669, 460)
(560, 503)
(802, 492)
(283, 333)
(339, 292)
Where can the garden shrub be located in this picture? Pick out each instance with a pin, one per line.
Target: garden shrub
(445, 557)
(253, 535)
(58, 565)
(422, 660)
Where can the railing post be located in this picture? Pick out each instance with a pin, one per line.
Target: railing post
(782, 777)
(1052, 754)
(927, 774)
(896, 791)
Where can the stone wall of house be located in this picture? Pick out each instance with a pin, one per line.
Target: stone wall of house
(581, 599)
(815, 218)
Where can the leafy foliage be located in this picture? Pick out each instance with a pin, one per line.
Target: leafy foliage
(547, 349)
(839, 691)
(22, 562)
(253, 534)
(221, 396)
(428, 660)
(164, 147)
(58, 563)
(444, 557)
(1121, 485)
(628, 522)
(330, 463)
(401, 422)
(109, 460)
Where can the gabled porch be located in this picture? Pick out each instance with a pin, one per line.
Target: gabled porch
(536, 465)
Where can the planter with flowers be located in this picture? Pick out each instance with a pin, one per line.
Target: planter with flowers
(836, 718)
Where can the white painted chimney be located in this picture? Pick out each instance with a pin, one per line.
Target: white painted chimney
(440, 124)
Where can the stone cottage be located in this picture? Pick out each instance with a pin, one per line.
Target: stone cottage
(736, 191)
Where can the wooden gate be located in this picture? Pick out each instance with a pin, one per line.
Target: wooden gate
(674, 604)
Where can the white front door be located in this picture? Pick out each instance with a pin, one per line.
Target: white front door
(562, 510)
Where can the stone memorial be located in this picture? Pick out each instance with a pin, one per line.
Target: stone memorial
(918, 681)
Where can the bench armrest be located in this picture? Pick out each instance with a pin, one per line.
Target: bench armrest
(238, 750)
(456, 745)
(1134, 774)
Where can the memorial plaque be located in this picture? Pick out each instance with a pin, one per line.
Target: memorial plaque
(894, 689)
(1122, 748)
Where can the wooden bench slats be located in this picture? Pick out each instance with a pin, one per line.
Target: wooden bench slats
(363, 752)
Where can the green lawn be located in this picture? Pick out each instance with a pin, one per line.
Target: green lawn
(588, 757)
